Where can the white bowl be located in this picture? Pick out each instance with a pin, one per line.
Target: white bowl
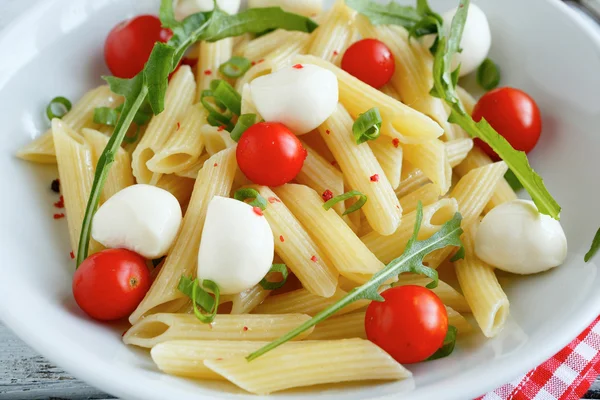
(55, 49)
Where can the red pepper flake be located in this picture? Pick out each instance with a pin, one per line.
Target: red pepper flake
(219, 359)
(260, 61)
(245, 329)
(123, 334)
(313, 259)
(335, 53)
(207, 72)
(60, 203)
(178, 125)
(334, 163)
(257, 211)
(298, 66)
(55, 186)
(281, 238)
(327, 131)
(398, 207)
(210, 325)
(221, 128)
(59, 216)
(215, 165)
(374, 178)
(273, 200)
(72, 258)
(327, 195)
(396, 142)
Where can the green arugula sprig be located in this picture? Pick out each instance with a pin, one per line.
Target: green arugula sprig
(410, 261)
(448, 346)
(595, 246)
(488, 75)
(147, 89)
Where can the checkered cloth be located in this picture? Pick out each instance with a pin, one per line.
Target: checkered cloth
(565, 376)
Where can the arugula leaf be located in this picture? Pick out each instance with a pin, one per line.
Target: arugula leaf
(513, 181)
(488, 75)
(410, 261)
(460, 255)
(146, 91)
(445, 88)
(593, 248)
(386, 14)
(448, 346)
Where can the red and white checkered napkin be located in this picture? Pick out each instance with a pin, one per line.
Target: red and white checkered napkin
(565, 376)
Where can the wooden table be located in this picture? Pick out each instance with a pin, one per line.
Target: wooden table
(25, 375)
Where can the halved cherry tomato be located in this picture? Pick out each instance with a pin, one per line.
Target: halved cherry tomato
(371, 61)
(110, 284)
(410, 325)
(513, 114)
(269, 154)
(130, 43)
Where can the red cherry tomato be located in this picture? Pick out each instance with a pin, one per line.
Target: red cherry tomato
(370, 61)
(410, 325)
(513, 114)
(110, 284)
(269, 154)
(130, 43)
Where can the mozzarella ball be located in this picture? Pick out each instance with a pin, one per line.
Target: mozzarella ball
(185, 8)
(304, 7)
(476, 40)
(301, 97)
(515, 237)
(141, 218)
(237, 247)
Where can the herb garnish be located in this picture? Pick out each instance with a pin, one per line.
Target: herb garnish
(410, 261)
(593, 248)
(348, 195)
(244, 122)
(58, 102)
(249, 193)
(275, 268)
(448, 346)
(200, 297)
(147, 90)
(488, 75)
(367, 126)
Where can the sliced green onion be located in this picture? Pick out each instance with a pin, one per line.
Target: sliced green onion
(367, 126)
(210, 285)
(513, 181)
(488, 75)
(220, 120)
(244, 122)
(134, 138)
(224, 93)
(460, 255)
(235, 67)
(106, 116)
(275, 268)
(60, 102)
(141, 118)
(203, 298)
(448, 346)
(248, 193)
(348, 195)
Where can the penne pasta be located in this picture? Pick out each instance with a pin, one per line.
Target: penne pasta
(347, 253)
(193, 170)
(41, 150)
(215, 139)
(76, 171)
(431, 158)
(283, 56)
(389, 154)
(335, 34)
(259, 48)
(466, 100)
(182, 259)
(179, 97)
(210, 57)
(248, 300)
(345, 326)
(120, 175)
(185, 145)
(307, 8)
(248, 106)
(481, 288)
(449, 296)
(297, 249)
(458, 321)
(159, 328)
(310, 363)
(178, 186)
(363, 172)
(399, 120)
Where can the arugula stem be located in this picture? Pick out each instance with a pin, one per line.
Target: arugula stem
(102, 170)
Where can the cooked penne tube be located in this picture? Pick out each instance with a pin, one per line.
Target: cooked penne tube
(159, 328)
(297, 249)
(449, 296)
(248, 106)
(387, 248)
(399, 120)
(472, 192)
(301, 301)
(41, 150)
(179, 97)
(185, 145)
(193, 170)
(182, 260)
(76, 172)
(283, 56)
(345, 326)
(178, 186)
(466, 100)
(260, 68)
(248, 300)
(503, 192)
(308, 8)
(347, 253)
(210, 57)
(431, 158)
(258, 49)
(389, 154)
(481, 288)
(310, 363)
(215, 139)
(335, 34)
(120, 175)
(363, 172)
(458, 321)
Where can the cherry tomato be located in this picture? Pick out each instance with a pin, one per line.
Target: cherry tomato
(110, 284)
(370, 61)
(269, 154)
(513, 114)
(410, 325)
(130, 43)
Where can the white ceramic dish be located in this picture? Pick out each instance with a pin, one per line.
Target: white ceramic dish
(55, 49)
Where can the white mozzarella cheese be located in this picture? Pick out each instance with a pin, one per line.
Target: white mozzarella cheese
(185, 8)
